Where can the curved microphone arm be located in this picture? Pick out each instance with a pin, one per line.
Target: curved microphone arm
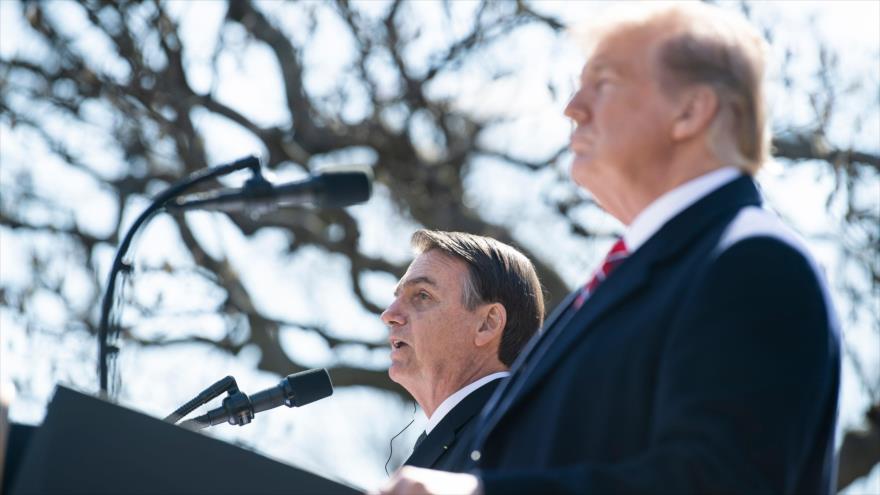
(226, 384)
(158, 203)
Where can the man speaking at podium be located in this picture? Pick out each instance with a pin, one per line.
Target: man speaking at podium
(461, 314)
(703, 355)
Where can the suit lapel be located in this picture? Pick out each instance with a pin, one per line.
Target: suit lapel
(444, 434)
(558, 316)
(558, 312)
(572, 327)
(632, 275)
(427, 453)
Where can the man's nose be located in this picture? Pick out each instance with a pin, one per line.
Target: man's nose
(577, 108)
(392, 315)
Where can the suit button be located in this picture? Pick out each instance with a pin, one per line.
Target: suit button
(475, 455)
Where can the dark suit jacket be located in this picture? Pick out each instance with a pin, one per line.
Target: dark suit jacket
(446, 447)
(708, 361)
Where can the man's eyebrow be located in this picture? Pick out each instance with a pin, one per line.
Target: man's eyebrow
(414, 281)
(600, 66)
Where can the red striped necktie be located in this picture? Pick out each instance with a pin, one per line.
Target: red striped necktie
(615, 256)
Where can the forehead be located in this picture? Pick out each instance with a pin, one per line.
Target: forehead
(625, 50)
(435, 268)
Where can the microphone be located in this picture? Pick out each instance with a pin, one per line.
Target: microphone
(324, 190)
(294, 390)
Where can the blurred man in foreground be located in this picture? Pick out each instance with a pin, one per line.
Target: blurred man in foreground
(703, 356)
(461, 314)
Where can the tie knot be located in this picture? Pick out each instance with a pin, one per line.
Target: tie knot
(617, 254)
(421, 439)
(618, 250)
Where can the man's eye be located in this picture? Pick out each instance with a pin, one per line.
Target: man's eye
(423, 296)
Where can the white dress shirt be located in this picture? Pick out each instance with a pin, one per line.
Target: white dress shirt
(670, 204)
(453, 400)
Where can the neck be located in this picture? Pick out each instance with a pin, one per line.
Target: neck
(432, 393)
(666, 178)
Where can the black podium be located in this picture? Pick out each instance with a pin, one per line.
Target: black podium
(87, 445)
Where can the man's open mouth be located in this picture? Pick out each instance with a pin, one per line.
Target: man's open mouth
(397, 343)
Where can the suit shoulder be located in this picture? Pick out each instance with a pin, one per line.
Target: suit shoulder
(753, 223)
(757, 246)
(759, 235)
(763, 264)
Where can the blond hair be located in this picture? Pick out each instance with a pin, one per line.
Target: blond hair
(705, 44)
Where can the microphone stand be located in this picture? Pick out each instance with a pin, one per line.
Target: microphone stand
(223, 385)
(237, 408)
(294, 390)
(176, 189)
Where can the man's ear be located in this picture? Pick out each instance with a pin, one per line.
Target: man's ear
(696, 110)
(493, 325)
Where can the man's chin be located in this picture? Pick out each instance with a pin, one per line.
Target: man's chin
(581, 163)
(581, 172)
(396, 374)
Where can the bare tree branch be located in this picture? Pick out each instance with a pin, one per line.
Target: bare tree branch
(423, 144)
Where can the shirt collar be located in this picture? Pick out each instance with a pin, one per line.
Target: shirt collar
(453, 400)
(670, 204)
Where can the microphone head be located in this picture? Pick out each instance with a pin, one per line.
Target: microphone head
(347, 188)
(308, 386)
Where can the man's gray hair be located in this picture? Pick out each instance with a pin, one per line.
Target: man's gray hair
(497, 273)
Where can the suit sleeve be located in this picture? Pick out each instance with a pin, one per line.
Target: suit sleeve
(748, 376)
